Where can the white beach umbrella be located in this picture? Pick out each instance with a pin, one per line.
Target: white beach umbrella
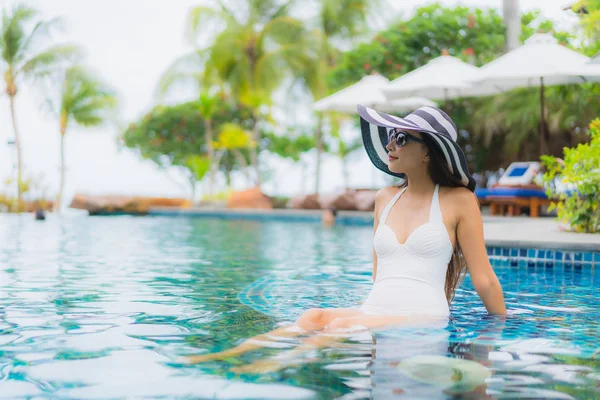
(368, 92)
(540, 61)
(442, 78)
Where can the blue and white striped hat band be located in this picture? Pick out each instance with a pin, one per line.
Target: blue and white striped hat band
(430, 120)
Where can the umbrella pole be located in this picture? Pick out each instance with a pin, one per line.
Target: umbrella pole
(542, 119)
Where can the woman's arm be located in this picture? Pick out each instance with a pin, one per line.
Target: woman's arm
(469, 234)
(375, 225)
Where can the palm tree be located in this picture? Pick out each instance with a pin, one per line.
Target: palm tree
(21, 58)
(344, 148)
(254, 50)
(84, 100)
(338, 22)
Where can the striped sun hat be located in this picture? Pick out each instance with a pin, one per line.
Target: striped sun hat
(433, 121)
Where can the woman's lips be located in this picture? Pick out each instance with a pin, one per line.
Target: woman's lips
(392, 158)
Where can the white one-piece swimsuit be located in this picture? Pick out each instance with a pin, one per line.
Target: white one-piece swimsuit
(411, 276)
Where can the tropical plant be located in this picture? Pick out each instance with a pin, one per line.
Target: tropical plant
(23, 56)
(580, 170)
(254, 49)
(343, 148)
(170, 135)
(474, 35)
(86, 101)
(589, 12)
(337, 23)
(234, 139)
(197, 167)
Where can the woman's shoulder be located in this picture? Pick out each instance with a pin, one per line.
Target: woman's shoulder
(385, 194)
(459, 199)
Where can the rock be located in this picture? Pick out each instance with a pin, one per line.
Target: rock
(251, 198)
(364, 200)
(327, 201)
(305, 202)
(123, 204)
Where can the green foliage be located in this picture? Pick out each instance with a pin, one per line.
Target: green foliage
(168, 135)
(252, 51)
(471, 34)
(290, 145)
(581, 170)
(198, 166)
(85, 99)
(176, 135)
(590, 24)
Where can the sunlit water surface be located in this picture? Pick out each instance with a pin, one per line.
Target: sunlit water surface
(105, 308)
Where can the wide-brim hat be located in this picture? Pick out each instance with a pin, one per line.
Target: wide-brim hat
(432, 121)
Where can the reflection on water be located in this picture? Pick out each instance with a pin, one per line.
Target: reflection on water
(104, 308)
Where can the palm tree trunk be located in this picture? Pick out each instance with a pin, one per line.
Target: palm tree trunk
(19, 155)
(240, 157)
(345, 176)
(208, 134)
(192, 181)
(319, 146)
(62, 172)
(254, 151)
(512, 20)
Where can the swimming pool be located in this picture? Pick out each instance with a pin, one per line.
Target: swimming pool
(94, 307)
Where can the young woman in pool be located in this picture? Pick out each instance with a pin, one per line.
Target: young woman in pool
(425, 231)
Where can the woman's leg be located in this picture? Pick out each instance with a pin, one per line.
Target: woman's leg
(335, 331)
(312, 320)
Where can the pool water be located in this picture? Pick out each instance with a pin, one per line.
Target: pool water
(94, 307)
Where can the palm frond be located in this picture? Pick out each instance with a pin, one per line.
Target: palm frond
(48, 61)
(13, 36)
(189, 69)
(85, 99)
(40, 32)
(281, 31)
(202, 20)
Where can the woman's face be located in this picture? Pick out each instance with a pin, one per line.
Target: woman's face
(408, 157)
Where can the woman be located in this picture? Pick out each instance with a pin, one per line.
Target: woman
(424, 231)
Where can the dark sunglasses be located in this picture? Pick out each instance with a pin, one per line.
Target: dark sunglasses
(401, 138)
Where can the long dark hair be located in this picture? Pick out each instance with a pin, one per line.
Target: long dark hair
(441, 175)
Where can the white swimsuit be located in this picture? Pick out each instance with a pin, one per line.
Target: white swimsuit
(411, 276)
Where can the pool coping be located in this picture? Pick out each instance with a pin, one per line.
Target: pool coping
(514, 232)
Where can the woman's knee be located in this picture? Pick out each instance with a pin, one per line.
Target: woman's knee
(313, 316)
(339, 323)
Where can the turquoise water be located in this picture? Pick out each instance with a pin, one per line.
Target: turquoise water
(105, 308)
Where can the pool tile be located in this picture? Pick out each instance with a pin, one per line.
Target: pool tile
(514, 252)
(569, 256)
(497, 251)
(597, 257)
(522, 263)
(514, 263)
(541, 253)
(587, 256)
(578, 256)
(522, 252)
(549, 264)
(505, 252)
(490, 250)
(559, 255)
(531, 253)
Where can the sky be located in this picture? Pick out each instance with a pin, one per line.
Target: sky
(130, 43)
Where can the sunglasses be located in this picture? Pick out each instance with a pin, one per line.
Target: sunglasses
(401, 138)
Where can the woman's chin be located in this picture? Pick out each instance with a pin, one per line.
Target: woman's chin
(394, 169)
